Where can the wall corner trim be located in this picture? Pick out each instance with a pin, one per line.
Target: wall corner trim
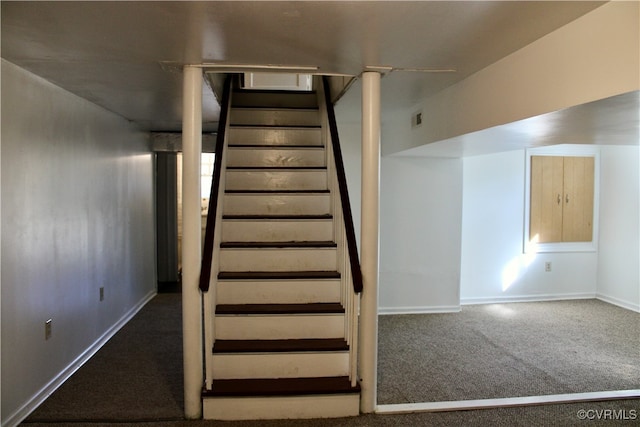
(617, 301)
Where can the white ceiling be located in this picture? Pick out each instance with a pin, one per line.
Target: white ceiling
(126, 56)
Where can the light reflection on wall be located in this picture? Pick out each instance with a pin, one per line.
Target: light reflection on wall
(514, 268)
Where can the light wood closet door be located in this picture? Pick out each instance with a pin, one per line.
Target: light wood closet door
(561, 199)
(546, 199)
(577, 223)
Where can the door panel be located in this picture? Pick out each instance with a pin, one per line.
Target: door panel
(546, 199)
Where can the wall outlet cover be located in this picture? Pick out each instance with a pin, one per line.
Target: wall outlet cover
(416, 119)
(47, 329)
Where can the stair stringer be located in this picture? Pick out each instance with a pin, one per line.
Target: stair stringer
(209, 298)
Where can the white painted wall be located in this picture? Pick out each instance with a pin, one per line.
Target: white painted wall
(420, 221)
(77, 214)
(420, 207)
(619, 253)
(420, 232)
(493, 267)
(594, 57)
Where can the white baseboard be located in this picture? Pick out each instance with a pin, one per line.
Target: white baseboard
(419, 310)
(507, 402)
(526, 298)
(619, 302)
(506, 299)
(36, 400)
(509, 299)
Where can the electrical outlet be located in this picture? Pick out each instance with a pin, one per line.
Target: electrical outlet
(47, 329)
(416, 119)
(102, 293)
(547, 266)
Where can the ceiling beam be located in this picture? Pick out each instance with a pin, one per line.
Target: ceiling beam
(172, 142)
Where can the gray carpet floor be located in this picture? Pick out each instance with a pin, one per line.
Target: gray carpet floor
(136, 375)
(566, 415)
(508, 350)
(136, 378)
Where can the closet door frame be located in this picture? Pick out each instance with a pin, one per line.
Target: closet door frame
(564, 150)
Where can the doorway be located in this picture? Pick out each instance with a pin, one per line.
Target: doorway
(169, 214)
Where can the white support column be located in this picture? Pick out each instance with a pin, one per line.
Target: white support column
(191, 245)
(369, 239)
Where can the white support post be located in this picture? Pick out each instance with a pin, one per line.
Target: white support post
(369, 239)
(191, 241)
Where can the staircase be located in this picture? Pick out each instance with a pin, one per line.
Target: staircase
(281, 315)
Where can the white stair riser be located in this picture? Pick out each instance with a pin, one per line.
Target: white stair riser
(277, 204)
(269, 136)
(281, 407)
(251, 157)
(276, 231)
(275, 117)
(278, 259)
(278, 291)
(280, 365)
(254, 327)
(276, 180)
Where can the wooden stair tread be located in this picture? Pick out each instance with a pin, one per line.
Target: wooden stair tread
(271, 108)
(278, 216)
(274, 91)
(238, 125)
(276, 168)
(276, 146)
(311, 308)
(277, 275)
(309, 244)
(277, 191)
(280, 346)
(281, 387)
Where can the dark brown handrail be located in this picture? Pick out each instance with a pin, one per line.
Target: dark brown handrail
(356, 272)
(207, 251)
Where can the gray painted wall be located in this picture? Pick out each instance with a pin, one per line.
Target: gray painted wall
(77, 215)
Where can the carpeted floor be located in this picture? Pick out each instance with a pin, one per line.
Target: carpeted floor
(508, 350)
(136, 378)
(620, 412)
(137, 375)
